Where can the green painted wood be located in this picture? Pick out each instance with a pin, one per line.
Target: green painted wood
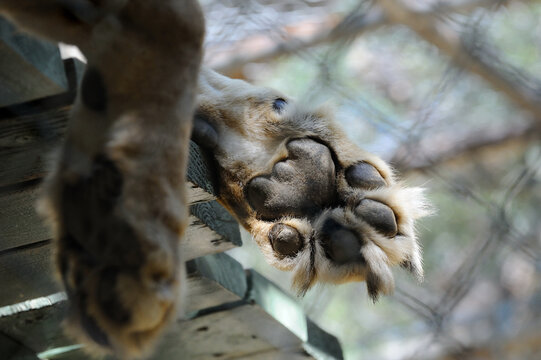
(199, 172)
(213, 215)
(289, 313)
(29, 68)
(222, 269)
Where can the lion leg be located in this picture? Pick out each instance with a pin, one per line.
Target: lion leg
(116, 198)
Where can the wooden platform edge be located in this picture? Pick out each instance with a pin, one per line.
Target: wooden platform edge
(246, 288)
(317, 342)
(29, 68)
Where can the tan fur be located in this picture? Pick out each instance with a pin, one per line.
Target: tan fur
(252, 139)
(146, 55)
(143, 59)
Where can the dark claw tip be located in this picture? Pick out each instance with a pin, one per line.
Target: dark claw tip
(373, 284)
(285, 240)
(364, 175)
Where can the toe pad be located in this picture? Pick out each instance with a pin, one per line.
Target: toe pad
(378, 215)
(285, 240)
(364, 175)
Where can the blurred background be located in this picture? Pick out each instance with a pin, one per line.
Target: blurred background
(448, 92)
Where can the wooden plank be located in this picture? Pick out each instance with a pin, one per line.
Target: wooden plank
(199, 174)
(222, 269)
(36, 323)
(242, 331)
(223, 323)
(30, 130)
(25, 144)
(289, 313)
(27, 141)
(21, 225)
(296, 354)
(10, 349)
(29, 68)
(212, 230)
(245, 332)
(27, 272)
(40, 328)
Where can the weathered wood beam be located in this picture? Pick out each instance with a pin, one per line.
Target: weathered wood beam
(29, 68)
(210, 224)
(27, 272)
(39, 328)
(231, 314)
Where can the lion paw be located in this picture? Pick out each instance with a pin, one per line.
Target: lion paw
(315, 203)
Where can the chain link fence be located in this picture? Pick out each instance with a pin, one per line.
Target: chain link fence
(449, 92)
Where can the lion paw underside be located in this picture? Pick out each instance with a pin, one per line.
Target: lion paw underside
(332, 223)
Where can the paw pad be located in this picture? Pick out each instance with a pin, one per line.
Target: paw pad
(379, 216)
(285, 240)
(364, 175)
(340, 243)
(298, 186)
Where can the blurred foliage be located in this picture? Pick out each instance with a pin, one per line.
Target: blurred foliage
(390, 88)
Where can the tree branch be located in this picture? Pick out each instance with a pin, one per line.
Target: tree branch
(347, 28)
(433, 153)
(464, 54)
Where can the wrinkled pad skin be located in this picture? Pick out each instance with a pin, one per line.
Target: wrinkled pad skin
(298, 186)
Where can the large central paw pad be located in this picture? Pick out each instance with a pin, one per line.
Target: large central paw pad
(300, 185)
(335, 223)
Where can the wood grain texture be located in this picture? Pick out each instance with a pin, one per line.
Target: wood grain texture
(242, 331)
(228, 322)
(40, 329)
(27, 272)
(19, 222)
(21, 225)
(26, 143)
